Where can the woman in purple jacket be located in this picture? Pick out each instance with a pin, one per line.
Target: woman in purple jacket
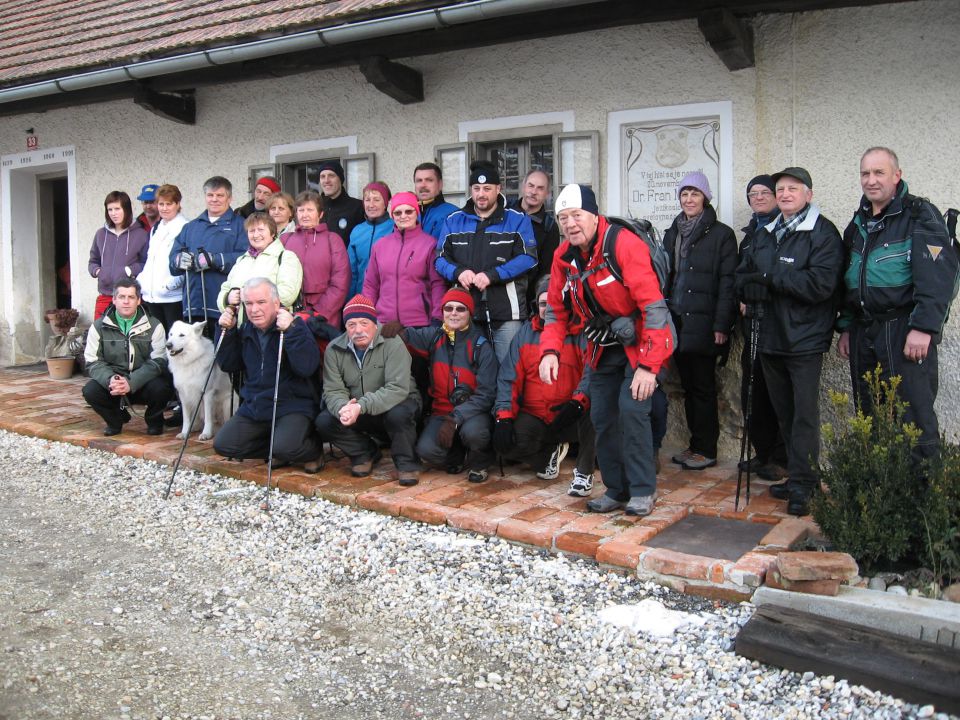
(119, 248)
(326, 269)
(401, 279)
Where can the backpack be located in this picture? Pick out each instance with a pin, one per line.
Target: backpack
(950, 220)
(659, 257)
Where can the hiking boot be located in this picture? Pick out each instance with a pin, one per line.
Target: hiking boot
(313, 467)
(454, 468)
(799, 503)
(696, 461)
(408, 478)
(155, 429)
(111, 430)
(772, 471)
(753, 465)
(364, 468)
(640, 506)
(552, 471)
(176, 419)
(604, 504)
(581, 485)
(476, 476)
(682, 457)
(780, 491)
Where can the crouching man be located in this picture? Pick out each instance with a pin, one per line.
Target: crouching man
(255, 348)
(369, 393)
(463, 382)
(537, 422)
(127, 362)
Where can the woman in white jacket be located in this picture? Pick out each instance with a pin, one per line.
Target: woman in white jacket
(162, 294)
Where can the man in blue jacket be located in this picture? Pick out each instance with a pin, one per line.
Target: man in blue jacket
(434, 209)
(254, 348)
(206, 249)
(490, 251)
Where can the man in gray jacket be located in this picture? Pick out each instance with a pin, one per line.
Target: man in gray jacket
(369, 393)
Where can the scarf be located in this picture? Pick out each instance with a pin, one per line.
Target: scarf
(785, 226)
(687, 228)
(451, 334)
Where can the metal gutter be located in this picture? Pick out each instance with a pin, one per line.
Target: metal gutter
(435, 19)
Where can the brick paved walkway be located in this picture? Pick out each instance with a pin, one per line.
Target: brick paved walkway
(518, 507)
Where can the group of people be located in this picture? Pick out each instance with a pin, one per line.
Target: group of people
(477, 332)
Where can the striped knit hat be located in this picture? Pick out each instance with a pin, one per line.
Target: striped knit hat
(359, 306)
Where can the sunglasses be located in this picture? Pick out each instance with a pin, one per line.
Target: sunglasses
(404, 213)
(759, 194)
(455, 308)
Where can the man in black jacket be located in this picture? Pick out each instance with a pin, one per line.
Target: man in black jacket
(532, 203)
(899, 282)
(341, 213)
(791, 275)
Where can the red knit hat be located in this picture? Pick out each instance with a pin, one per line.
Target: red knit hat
(359, 306)
(405, 198)
(458, 294)
(270, 183)
(379, 187)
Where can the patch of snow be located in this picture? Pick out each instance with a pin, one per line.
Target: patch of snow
(650, 617)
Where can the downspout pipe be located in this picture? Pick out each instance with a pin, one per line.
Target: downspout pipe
(435, 19)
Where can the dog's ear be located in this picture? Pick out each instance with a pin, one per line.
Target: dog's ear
(198, 327)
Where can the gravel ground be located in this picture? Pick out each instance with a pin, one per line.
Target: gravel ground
(117, 604)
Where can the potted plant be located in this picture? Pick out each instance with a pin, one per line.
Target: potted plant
(58, 353)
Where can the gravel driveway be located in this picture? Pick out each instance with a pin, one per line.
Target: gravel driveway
(117, 604)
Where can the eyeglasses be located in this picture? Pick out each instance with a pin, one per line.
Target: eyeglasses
(455, 308)
(543, 304)
(759, 194)
(404, 213)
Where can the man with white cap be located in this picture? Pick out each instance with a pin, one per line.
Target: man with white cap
(626, 323)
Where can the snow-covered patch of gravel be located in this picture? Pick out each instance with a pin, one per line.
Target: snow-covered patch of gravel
(117, 604)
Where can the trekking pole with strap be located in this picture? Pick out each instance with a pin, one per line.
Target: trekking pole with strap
(265, 505)
(196, 411)
(186, 274)
(203, 291)
(755, 315)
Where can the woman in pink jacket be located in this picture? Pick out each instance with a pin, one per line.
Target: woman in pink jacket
(326, 269)
(401, 279)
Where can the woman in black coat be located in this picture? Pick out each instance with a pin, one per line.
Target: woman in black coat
(703, 304)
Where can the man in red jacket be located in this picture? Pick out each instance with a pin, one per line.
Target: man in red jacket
(626, 323)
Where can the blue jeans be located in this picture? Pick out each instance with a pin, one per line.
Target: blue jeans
(501, 333)
(622, 425)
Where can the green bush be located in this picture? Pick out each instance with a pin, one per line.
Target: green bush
(878, 505)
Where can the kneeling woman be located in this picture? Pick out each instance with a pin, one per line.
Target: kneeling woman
(463, 383)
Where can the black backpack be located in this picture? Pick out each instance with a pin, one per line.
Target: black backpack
(659, 257)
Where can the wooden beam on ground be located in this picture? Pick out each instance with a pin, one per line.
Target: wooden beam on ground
(403, 84)
(916, 671)
(179, 107)
(730, 37)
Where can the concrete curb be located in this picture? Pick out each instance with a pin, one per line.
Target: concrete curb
(933, 621)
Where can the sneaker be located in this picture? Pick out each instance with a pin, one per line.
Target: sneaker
(476, 476)
(408, 478)
(696, 461)
(640, 506)
(313, 467)
(552, 471)
(604, 504)
(681, 458)
(581, 485)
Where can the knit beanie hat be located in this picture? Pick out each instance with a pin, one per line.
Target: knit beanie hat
(359, 306)
(576, 196)
(270, 183)
(404, 198)
(698, 181)
(483, 172)
(543, 284)
(381, 188)
(335, 166)
(765, 180)
(458, 294)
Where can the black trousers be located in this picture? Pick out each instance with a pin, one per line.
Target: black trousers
(166, 313)
(794, 385)
(698, 376)
(155, 395)
(764, 429)
(881, 343)
(361, 440)
(536, 442)
(473, 436)
(293, 442)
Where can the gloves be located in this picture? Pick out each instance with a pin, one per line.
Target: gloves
(597, 330)
(567, 413)
(391, 329)
(448, 429)
(504, 438)
(321, 329)
(203, 261)
(184, 260)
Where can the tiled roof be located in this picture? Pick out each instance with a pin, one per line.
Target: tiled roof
(58, 37)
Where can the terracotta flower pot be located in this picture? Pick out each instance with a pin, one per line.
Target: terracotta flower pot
(60, 368)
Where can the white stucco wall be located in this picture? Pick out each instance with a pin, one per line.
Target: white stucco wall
(826, 85)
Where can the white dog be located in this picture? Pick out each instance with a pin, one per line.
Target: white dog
(191, 355)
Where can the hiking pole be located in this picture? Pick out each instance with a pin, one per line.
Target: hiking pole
(755, 315)
(203, 291)
(196, 411)
(189, 299)
(265, 505)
